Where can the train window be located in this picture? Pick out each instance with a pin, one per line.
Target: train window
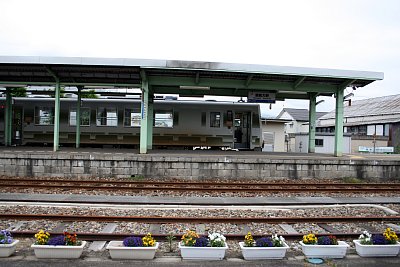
(107, 117)
(132, 118)
(255, 120)
(215, 119)
(163, 118)
(85, 117)
(44, 115)
(203, 119)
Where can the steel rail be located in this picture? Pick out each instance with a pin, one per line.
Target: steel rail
(164, 220)
(205, 189)
(185, 183)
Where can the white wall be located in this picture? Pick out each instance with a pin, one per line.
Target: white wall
(328, 144)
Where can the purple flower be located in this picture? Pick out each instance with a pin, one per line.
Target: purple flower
(5, 237)
(133, 241)
(264, 242)
(327, 240)
(379, 239)
(201, 242)
(56, 241)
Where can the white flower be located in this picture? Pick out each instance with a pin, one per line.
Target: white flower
(216, 237)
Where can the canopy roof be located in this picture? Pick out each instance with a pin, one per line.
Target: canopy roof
(186, 78)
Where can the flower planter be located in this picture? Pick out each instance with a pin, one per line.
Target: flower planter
(377, 250)
(119, 251)
(58, 252)
(202, 253)
(325, 251)
(262, 253)
(7, 249)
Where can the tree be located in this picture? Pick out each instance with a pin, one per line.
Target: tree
(89, 94)
(18, 92)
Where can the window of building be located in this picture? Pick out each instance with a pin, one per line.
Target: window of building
(215, 119)
(44, 115)
(132, 117)
(85, 117)
(319, 142)
(163, 118)
(107, 117)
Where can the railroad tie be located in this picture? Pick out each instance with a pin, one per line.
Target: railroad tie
(394, 226)
(288, 229)
(98, 245)
(327, 228)
(17, 226)
(60, 227)
(155, 228)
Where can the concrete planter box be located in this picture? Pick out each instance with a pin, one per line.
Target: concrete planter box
(325, 251)
(263, 253)
(58, 252)
(202, 253)
(377, 250)
(119, 251)
(7, 249)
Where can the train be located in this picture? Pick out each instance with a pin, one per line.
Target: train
(116, 122)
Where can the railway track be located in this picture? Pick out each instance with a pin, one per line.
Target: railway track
(200, 186)
(121, 236)
(233, 220)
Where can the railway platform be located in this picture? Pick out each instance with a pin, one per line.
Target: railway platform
(221, 201)
(172, 261)
(193, 164)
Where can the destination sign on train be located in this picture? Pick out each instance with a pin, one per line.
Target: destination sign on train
(261, 97)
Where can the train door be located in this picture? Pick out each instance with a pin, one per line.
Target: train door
(242, 131)
(17, 125)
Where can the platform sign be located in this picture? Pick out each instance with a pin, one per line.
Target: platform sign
(261, 97)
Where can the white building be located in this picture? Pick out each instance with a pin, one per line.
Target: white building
(297, 122)
(372, 123)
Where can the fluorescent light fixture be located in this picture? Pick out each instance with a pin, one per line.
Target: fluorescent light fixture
(190, 87)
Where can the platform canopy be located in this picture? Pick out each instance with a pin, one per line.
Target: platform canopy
(186, 78)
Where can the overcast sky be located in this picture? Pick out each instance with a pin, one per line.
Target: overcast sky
(342, 34)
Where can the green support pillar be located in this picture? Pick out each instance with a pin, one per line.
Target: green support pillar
(144, 117)
(150, 123)
(78, 120)
(8, 118)
(56, 116)
(339, 123)
(311, 123)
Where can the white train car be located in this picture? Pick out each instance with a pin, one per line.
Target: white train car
(183, 124)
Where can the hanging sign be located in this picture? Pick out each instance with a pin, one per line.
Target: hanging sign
(261, 97)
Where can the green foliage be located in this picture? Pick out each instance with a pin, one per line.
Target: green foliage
(18, 92)
(137, 177)
(170, 238)
(89, 94)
